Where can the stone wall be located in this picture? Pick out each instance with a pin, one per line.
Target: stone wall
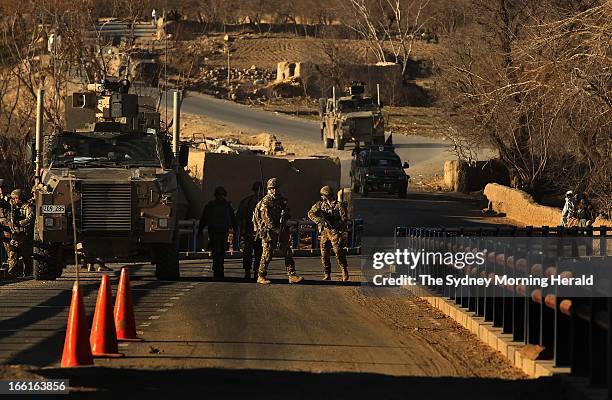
(521, 207)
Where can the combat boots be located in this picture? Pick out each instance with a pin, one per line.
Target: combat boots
(262, 280)
(345, 275)
(327, 276)
(295, 278)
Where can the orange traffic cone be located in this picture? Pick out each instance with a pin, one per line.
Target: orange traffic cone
(77, 351)
(125, 322)
(103, 337)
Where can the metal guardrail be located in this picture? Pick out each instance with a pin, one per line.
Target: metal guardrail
(574, 330)
(304, 239)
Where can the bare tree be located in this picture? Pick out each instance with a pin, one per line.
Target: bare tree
(389, 26)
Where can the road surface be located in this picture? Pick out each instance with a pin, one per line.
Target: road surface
(426, 155)
(235, 338)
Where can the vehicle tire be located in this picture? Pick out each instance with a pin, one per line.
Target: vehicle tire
(329, 143)
(166, 260)
(47, 261)
(402, 192)
(364, 191)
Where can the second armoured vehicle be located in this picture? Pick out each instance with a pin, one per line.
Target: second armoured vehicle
(108, 181)
(352, 118)
(378, 169)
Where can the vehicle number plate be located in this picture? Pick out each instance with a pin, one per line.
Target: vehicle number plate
(53, 209)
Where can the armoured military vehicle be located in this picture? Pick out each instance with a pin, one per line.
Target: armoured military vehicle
(114, 170)
(352, 118)
(378, 169)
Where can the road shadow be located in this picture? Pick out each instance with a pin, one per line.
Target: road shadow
(267, 384)
(48, 349)
(423, 146)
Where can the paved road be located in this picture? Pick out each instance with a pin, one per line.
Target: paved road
(426, 155)
(235, 338)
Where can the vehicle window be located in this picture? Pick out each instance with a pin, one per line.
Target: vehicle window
(384, 162)
(128, 149)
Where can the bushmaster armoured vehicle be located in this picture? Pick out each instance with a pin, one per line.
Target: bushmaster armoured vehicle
(352, 118)
(113, 169)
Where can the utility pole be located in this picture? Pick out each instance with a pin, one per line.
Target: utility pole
(228, 43)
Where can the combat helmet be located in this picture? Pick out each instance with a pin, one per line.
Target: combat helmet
(220, 191)
(326, 191)
(16, 194)
(273, 183)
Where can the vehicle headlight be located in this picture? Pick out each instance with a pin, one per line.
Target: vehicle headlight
(162, 223)
(49, 222)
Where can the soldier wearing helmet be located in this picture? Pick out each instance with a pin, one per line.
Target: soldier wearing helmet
(20, 221)
(251, 245)
(330, 217)
(269, 221)
(5, 232)
(219, 216)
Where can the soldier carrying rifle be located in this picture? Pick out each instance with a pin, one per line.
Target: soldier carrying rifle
(269, 222)
(20, 223)
(330, 217)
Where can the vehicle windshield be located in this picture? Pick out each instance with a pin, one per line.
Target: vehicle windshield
(116, 150)
(384, 161)
(350, 105)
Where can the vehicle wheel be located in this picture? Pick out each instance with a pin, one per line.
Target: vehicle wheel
(329, 143)
(338, 142)
(402, 192)
(166, 260)
(47, 261)
(365, 191)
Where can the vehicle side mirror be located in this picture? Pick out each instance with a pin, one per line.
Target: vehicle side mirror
(183, 155)
(406, 165)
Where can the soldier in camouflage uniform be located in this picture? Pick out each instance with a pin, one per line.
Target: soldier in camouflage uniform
(330, 217)
(251, 245)
(5, 232)
(21, 223)
(269, 219)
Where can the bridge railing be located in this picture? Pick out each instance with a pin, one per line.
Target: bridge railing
(570, 325)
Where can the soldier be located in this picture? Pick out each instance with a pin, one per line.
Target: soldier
(21, 223)
(5, 232)
(219, 215)
(269, 219)
(330, 217)
(251, 245)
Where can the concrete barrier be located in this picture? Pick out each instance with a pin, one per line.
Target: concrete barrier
(521, 207)
(301, 178)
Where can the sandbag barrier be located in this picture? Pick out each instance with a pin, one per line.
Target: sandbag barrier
(304, 239)
(572, 326)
